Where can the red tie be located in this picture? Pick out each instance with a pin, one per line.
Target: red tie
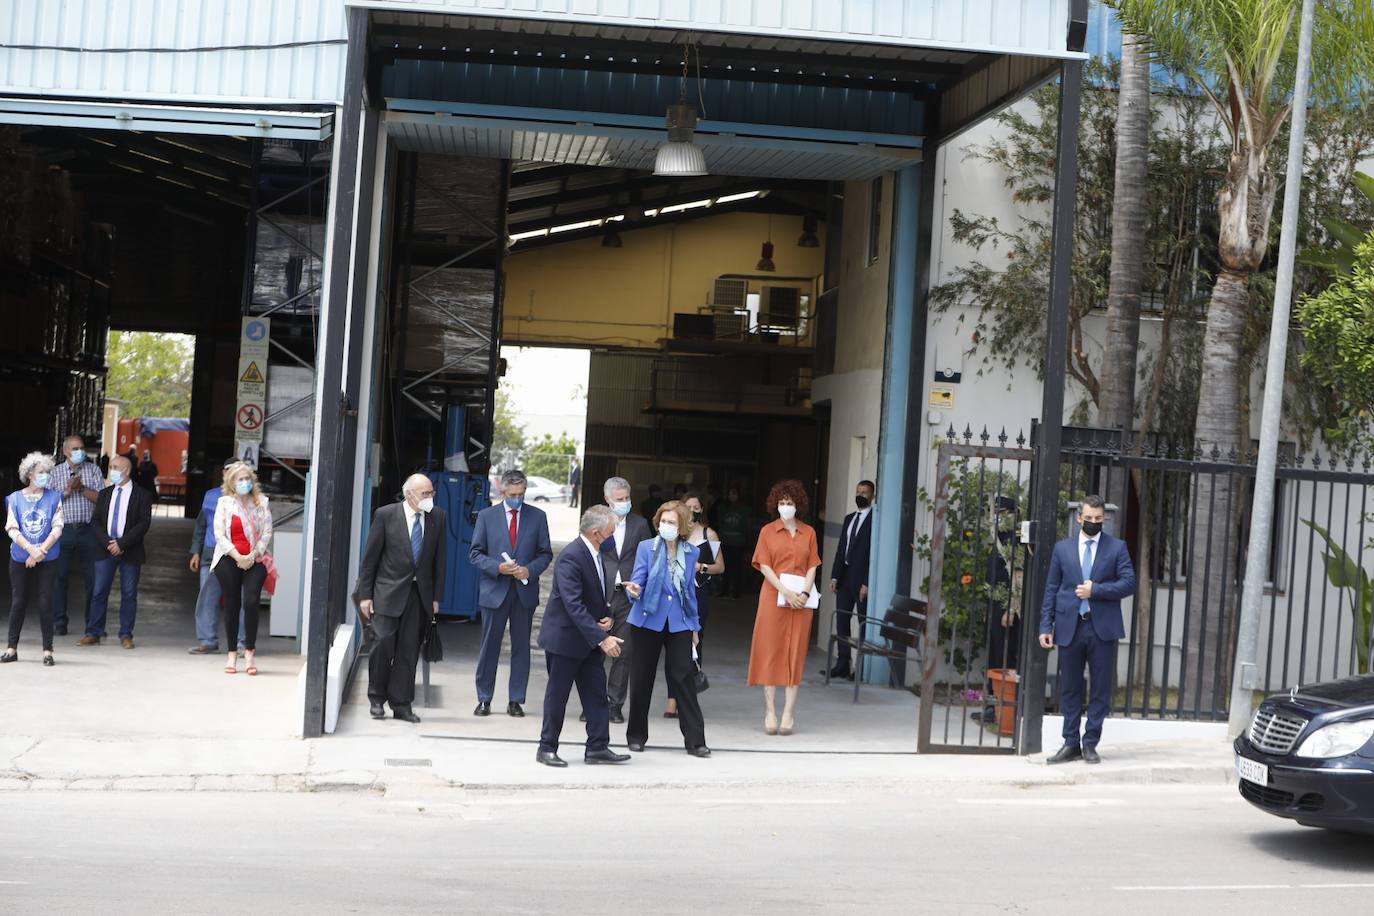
(515, 514)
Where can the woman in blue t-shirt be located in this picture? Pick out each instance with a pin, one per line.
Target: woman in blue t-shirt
(33, 520)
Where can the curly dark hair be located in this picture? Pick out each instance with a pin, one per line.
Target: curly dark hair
(788, 489)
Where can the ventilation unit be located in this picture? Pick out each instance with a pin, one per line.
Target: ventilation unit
(780, 308)
(729, 293)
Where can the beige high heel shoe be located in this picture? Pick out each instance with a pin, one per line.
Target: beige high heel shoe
(786, 729)
(770, 724)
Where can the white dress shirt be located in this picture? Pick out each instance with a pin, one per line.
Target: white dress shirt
(410, 518)
(1083, 542)
(596, 558)
(114, 525)
(619, 543)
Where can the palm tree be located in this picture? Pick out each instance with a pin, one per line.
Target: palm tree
(1240, 55)
(1129, 211)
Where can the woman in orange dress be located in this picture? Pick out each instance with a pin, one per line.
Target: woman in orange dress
(783, 634)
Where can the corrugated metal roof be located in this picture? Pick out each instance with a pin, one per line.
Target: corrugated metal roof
(634, 148)
(259, 52)
(1037, 27)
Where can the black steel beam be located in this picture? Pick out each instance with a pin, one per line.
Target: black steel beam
(1045, 473)
(754, 205)
(680, 192)
(327, 586)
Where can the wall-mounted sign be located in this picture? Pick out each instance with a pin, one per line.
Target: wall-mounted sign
(941, 396)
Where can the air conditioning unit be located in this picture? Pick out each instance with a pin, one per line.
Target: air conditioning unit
(730, 293)
(780, 307)
(730, 324)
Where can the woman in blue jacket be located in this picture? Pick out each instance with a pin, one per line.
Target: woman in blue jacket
(664, 620)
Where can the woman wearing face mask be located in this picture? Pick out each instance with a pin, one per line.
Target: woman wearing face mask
(664, 620)
(711, 562)
(33, 520)
(243, 558)
(782, 633)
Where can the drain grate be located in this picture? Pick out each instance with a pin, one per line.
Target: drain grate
(409, 762)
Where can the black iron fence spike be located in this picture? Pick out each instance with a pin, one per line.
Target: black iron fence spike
(985, 436)
(1021, 440)
(951, 435)
(1002, 437)
(1232, 456)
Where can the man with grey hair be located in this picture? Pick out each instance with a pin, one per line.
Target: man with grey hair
(510, 550)
(618, 556)
(574, 636)
(402, 576)
(79, 482)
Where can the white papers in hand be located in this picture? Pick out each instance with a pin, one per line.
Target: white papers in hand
(796, 584)
(505, 556)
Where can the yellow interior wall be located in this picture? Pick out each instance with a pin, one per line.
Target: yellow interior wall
(580, 292)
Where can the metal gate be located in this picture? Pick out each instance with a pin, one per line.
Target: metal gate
(978, 569)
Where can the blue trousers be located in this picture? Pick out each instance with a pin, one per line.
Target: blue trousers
(589, 674)
(1098, 656)
(493, 631)
(105, 571)
(79, 547)
(207, 607)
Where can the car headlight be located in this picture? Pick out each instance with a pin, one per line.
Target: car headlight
(1337, 739)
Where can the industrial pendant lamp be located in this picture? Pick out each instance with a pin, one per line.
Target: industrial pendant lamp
(808, 237)
(680, 157)
(766, 254)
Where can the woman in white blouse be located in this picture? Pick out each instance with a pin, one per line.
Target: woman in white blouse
(243, 558)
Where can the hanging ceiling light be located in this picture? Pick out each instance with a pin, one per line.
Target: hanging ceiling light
(808, 237)
(680, 157)
(611, 239)
(766, 253)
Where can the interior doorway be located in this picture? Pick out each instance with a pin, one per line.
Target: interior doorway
(541, 428)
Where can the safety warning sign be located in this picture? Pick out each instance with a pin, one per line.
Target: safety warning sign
(248, 422)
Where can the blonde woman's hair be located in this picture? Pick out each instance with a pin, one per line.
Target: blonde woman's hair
(236, 469)
(33, 463)
(679, 511)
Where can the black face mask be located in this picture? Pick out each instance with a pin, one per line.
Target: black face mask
(1092, 529)
(696, 516)
(861, 501)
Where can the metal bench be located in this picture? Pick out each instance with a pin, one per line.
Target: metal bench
(903, 628)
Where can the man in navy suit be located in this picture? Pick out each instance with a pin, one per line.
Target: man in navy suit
(509, 587)
(575, 637)
(1089, 575)
(849, 574)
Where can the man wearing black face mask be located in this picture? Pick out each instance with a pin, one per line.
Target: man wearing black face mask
(1089, 575)
(849, 572)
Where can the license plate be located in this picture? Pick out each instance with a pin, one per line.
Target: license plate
(1252, 771)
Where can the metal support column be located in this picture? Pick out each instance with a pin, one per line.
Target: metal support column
(1045, 471)
(333, 487)
(890, 539)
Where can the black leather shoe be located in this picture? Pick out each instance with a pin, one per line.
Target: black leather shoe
(483, 709)
(582, 717)
(637, 746)
(1066, 754)
(513, 709)
(405, 715)
(840, 671)
(1090, 755)
(59, 630)
(10, 656)
(378, 711)
(550, 759)
(48, 661)
(606, 756)
(617, 717)
(702, 751)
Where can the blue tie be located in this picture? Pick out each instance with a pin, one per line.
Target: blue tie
(417, 536)
(119, 491)
(1083, 607)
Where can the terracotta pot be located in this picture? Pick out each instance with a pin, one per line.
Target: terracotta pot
(1004, 681)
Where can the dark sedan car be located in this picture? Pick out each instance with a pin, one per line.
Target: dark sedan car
(1308, 755)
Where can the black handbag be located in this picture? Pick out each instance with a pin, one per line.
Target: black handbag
(432, 649)
(699, 680)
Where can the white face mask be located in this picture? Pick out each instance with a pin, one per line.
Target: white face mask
(668, 532)
(786, 512)
(427, 504)
(621, 509)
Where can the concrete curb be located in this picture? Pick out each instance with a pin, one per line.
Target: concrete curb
(397, 784)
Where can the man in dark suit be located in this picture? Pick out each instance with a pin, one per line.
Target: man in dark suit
(849, 573)
(1090, 573)
(123, 514)
(402, 575)
(575, 635)
(511, 549)
(618, 557)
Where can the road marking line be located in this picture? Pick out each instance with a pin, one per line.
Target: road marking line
(790, 802)
(14, 882)
(1242, 887)
(1042, 802)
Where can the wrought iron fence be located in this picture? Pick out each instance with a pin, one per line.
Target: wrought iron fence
(1184, 514)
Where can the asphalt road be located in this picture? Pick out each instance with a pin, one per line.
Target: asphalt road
(937, 850)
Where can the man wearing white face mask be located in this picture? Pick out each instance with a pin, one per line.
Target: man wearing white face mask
(403, 571)
(618, 558)
(79, 483)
